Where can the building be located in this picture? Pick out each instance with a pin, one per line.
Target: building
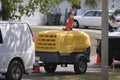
(64, 8)
(40, 19)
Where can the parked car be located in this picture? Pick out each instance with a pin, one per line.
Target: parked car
(114, 46)
(17, 51)
(93, 18)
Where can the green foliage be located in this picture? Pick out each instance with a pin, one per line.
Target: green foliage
(112, 17)
(15, 9)
(8, 7)
(75, 2)
(116, 12)
(45, 5)
(92, 3)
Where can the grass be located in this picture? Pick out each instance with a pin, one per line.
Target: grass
(72, 76)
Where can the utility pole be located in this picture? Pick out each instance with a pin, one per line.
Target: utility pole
(105, 67)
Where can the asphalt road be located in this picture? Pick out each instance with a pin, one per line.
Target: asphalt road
(63, 71)
(67, 72)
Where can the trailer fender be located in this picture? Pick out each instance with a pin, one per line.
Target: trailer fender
(78, 56)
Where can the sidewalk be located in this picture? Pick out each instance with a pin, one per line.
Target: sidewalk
(52, 27)
(92, 67)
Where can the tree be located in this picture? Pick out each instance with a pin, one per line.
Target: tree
(12, 9)
(104, 42)
(92, 3)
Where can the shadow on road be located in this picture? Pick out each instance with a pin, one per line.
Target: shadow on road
(44, 74)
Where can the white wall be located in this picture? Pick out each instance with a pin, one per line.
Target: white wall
(36, 19)
(116, 4)
(62, 9)
(63, 6)
(39, 19)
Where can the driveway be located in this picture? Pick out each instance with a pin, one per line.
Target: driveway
(63, 71)
(92, 67)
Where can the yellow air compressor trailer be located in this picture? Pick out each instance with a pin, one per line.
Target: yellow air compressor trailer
(59, 47)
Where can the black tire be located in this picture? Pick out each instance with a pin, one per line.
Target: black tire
(86, 27)
(81, 66)
(76, 24)
(50, 68)
(110, 28)
(15, 71)
(110, 61)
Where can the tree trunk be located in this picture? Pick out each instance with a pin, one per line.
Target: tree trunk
(105, 67)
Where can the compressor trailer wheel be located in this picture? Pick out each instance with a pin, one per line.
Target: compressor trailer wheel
(81, 66)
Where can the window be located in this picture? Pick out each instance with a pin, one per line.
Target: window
(98, 13)
(91, 13)
(1, 40)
